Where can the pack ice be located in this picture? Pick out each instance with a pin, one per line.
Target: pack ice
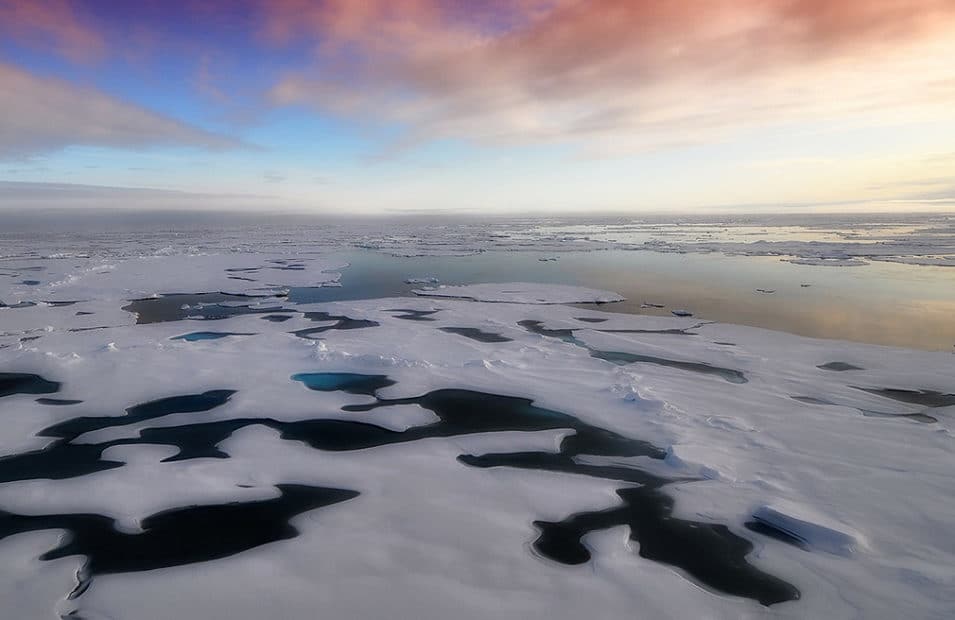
(444, 456)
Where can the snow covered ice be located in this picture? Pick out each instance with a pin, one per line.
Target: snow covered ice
(470, 451)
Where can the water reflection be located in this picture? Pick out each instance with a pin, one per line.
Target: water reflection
(881, 303)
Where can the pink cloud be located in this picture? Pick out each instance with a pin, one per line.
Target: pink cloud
(47, 23)
(621, 73)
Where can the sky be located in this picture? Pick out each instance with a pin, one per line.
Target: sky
(494, 106)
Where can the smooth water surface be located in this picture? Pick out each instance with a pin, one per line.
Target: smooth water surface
(880, 303)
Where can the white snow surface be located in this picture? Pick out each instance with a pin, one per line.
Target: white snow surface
(873, 498)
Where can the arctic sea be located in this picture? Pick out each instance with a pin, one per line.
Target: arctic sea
(223, 417)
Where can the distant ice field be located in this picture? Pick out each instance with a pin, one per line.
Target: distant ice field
(448, 422)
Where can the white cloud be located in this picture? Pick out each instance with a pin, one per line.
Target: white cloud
(626, 76)
(41, 115)
(31, 197)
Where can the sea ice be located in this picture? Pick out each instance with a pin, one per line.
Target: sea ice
(432, 534)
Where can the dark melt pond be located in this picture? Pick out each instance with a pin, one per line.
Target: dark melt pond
(838, 366)
(25, 383)
(202, 306)
(476, 334)
(174, 537)
(197, 336)
(710, 554)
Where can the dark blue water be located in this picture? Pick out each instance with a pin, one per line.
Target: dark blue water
(197, 336)
(619, 357)
(709, 553)
(338, 322)
(174, 537)
(25, 383)
(348, 382)
(880, 303)
(476, 334)
(179, 306)
(838, 366)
